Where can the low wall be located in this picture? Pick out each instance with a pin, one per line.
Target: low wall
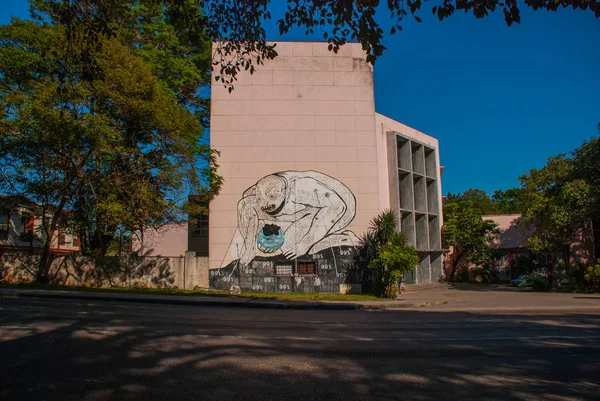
(187, 272)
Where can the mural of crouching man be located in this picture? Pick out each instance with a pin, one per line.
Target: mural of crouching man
(294, 213)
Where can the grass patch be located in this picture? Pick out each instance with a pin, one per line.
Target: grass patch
(303, 296)
(289, 296)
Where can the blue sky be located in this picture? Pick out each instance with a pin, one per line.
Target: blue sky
(500, 99)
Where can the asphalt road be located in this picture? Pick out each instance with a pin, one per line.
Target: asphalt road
(78, 350)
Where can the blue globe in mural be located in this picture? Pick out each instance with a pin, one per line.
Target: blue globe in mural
(270, 238)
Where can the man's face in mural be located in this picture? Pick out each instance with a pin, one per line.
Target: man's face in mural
(270, 193)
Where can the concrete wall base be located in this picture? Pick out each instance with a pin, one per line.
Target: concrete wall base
(188, 272)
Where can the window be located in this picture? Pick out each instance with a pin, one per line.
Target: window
(62, 240)
(306, 268)
(283, 270)
(75, 241)
(4, 224)
(200, 226)
(26, 223)
(4, 219)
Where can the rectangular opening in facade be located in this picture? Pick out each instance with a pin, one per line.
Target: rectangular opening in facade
(306, 268)
(430, 169)
(432, 197)
(436, 266)
(198, 227)
(407, 227)
(423, 269)
(418, 158)
(406, 193)
(404, 162)
(434, 233)
(409, 277)
(422, 231)
(283, 270)
(420, 195)
(4, 225)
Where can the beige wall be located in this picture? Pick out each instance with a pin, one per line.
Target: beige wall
(186, 272)
(309, 109)
(170, 240)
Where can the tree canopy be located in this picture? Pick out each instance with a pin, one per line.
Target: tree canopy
(478, 200)
(237, 26)
(510, 201)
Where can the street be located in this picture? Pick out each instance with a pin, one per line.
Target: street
(98, 350)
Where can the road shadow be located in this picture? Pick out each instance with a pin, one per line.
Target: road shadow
(93, 352)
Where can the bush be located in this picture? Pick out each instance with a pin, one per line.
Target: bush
(485, 275)
(394, 258)
(576, 272)
(592, 277)
(580, 277)
(525, 264)
(384, 255)
(571, 276)
(537, 283)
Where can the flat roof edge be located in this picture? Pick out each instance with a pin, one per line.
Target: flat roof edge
(405, 125)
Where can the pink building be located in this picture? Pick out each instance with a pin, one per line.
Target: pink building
(512, 239)
(307, 163)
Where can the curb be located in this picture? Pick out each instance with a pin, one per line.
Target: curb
(205, 301)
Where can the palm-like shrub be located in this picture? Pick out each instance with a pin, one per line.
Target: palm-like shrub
(384, 255)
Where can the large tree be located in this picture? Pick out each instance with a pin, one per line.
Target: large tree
(173, 43)
(587, 167)
(117, 145)
(562, 198)
(468, 234)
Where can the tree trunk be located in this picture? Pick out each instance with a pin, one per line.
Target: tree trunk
(455, 259)
(43, 271)
(596, 234)
(81, 231)
(42, 274)
(566, 254)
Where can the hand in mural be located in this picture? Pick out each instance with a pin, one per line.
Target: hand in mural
(295, 250)
(246, 258)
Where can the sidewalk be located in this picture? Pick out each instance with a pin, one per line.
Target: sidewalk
(500, 299)
(417, 302)
(457, 299)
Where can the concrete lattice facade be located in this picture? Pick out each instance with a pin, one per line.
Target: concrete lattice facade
(415, 187)
(305, 124)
